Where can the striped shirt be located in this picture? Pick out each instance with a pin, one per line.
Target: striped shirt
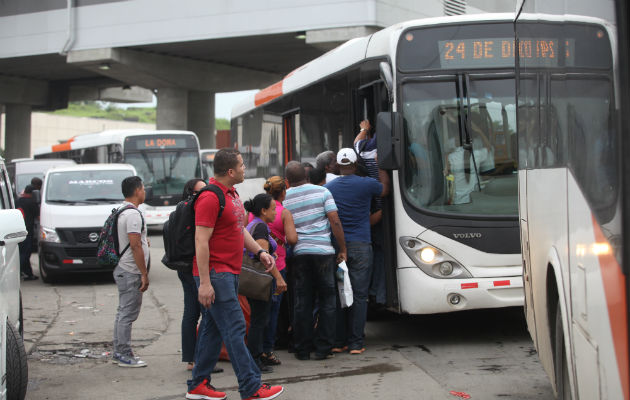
(309, 204)
(366, 148)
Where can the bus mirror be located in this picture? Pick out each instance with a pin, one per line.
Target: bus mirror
(387, 140)
(386, 75)
(148, 193)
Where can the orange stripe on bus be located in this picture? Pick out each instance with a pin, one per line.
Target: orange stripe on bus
(615, 290)
(65, 146)
(269, 93)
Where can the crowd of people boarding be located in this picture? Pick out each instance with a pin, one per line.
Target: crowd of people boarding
(300, 228)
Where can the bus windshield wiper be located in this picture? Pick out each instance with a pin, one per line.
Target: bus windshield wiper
(469, 145)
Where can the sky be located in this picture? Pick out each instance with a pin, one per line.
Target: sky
(223, 102)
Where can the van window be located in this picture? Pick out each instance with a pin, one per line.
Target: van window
(85, 186)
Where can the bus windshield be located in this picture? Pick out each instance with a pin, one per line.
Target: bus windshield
(460, 151)
(166, 171)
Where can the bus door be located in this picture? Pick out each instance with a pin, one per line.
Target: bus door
(291, 136)
(372, 99)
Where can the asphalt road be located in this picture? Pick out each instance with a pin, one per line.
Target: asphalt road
(484, 354)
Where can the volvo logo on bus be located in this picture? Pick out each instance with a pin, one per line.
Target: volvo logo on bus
(467, 235)
(93, 237)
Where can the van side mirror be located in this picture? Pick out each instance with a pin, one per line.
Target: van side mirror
(148, 193)
(388, 126)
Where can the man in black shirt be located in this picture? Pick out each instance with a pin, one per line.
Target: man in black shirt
(30, 210)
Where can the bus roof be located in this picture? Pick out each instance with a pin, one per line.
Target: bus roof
(102, 138)
(380, 44)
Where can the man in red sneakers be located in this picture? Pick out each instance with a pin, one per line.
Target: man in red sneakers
(216, 268)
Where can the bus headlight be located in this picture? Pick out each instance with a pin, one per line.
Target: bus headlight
(431, 260)
(49, 235)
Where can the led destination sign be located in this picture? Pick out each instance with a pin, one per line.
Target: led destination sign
(500, 52)
(487, 46)
(161, 142)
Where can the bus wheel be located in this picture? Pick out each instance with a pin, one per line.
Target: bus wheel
(560, 360)
(17, 369)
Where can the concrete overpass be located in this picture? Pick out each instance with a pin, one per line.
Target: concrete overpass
(56, 51)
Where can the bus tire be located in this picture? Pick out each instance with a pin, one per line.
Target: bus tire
(17, 368)
(563, 386)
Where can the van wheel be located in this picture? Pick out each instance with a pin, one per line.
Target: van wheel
(43, 273)
(563, 385)
(17, 368)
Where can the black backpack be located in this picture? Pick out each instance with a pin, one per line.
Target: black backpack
(179, 231)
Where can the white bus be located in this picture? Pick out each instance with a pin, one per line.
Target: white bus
(573, 200)
(165, 160)
(441, 93)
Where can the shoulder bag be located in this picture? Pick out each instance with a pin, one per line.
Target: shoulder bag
(253, 281)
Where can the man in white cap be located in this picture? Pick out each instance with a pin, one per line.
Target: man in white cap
(353, 196)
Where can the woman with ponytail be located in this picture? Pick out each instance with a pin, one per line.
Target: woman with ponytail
(283, 231)
(262, 208)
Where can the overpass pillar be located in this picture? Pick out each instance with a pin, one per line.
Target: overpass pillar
(172, 109)
(201, 117)
(17, 141)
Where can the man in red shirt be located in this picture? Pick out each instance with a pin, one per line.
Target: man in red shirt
(219, 246)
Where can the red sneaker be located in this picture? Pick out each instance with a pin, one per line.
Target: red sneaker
(205, 391)
(267, 392)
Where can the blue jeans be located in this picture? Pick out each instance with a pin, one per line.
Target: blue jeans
(351, 321)
(378, 287)
(192, 311)
(314, 275)
(224, 322)
(272, 324)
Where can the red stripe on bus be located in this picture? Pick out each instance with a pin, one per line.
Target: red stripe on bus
(615, 291)
(269, 93)
(68, 261)
(65, 146)
(501, 283)
(474, 285)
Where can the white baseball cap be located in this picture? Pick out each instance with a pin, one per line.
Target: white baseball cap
(348, 155)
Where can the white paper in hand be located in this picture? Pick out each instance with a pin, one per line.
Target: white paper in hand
(343, 285)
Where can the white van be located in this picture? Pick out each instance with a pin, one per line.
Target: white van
(22, 170)
(75, 202)
(13, 367)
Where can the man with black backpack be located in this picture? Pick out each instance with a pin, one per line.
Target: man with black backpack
(219, 243)
(131, 273)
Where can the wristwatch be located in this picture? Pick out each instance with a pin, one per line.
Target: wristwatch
(261, 251)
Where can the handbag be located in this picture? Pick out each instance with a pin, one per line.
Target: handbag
(253, 281)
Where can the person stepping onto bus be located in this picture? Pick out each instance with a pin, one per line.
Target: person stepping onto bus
(131, 275)
(353, 196)
(315, 216)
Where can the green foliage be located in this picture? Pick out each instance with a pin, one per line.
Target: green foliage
(104, 110)
(221, 123)
(94, 109)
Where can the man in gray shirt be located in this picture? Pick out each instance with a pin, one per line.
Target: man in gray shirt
(130, 274)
